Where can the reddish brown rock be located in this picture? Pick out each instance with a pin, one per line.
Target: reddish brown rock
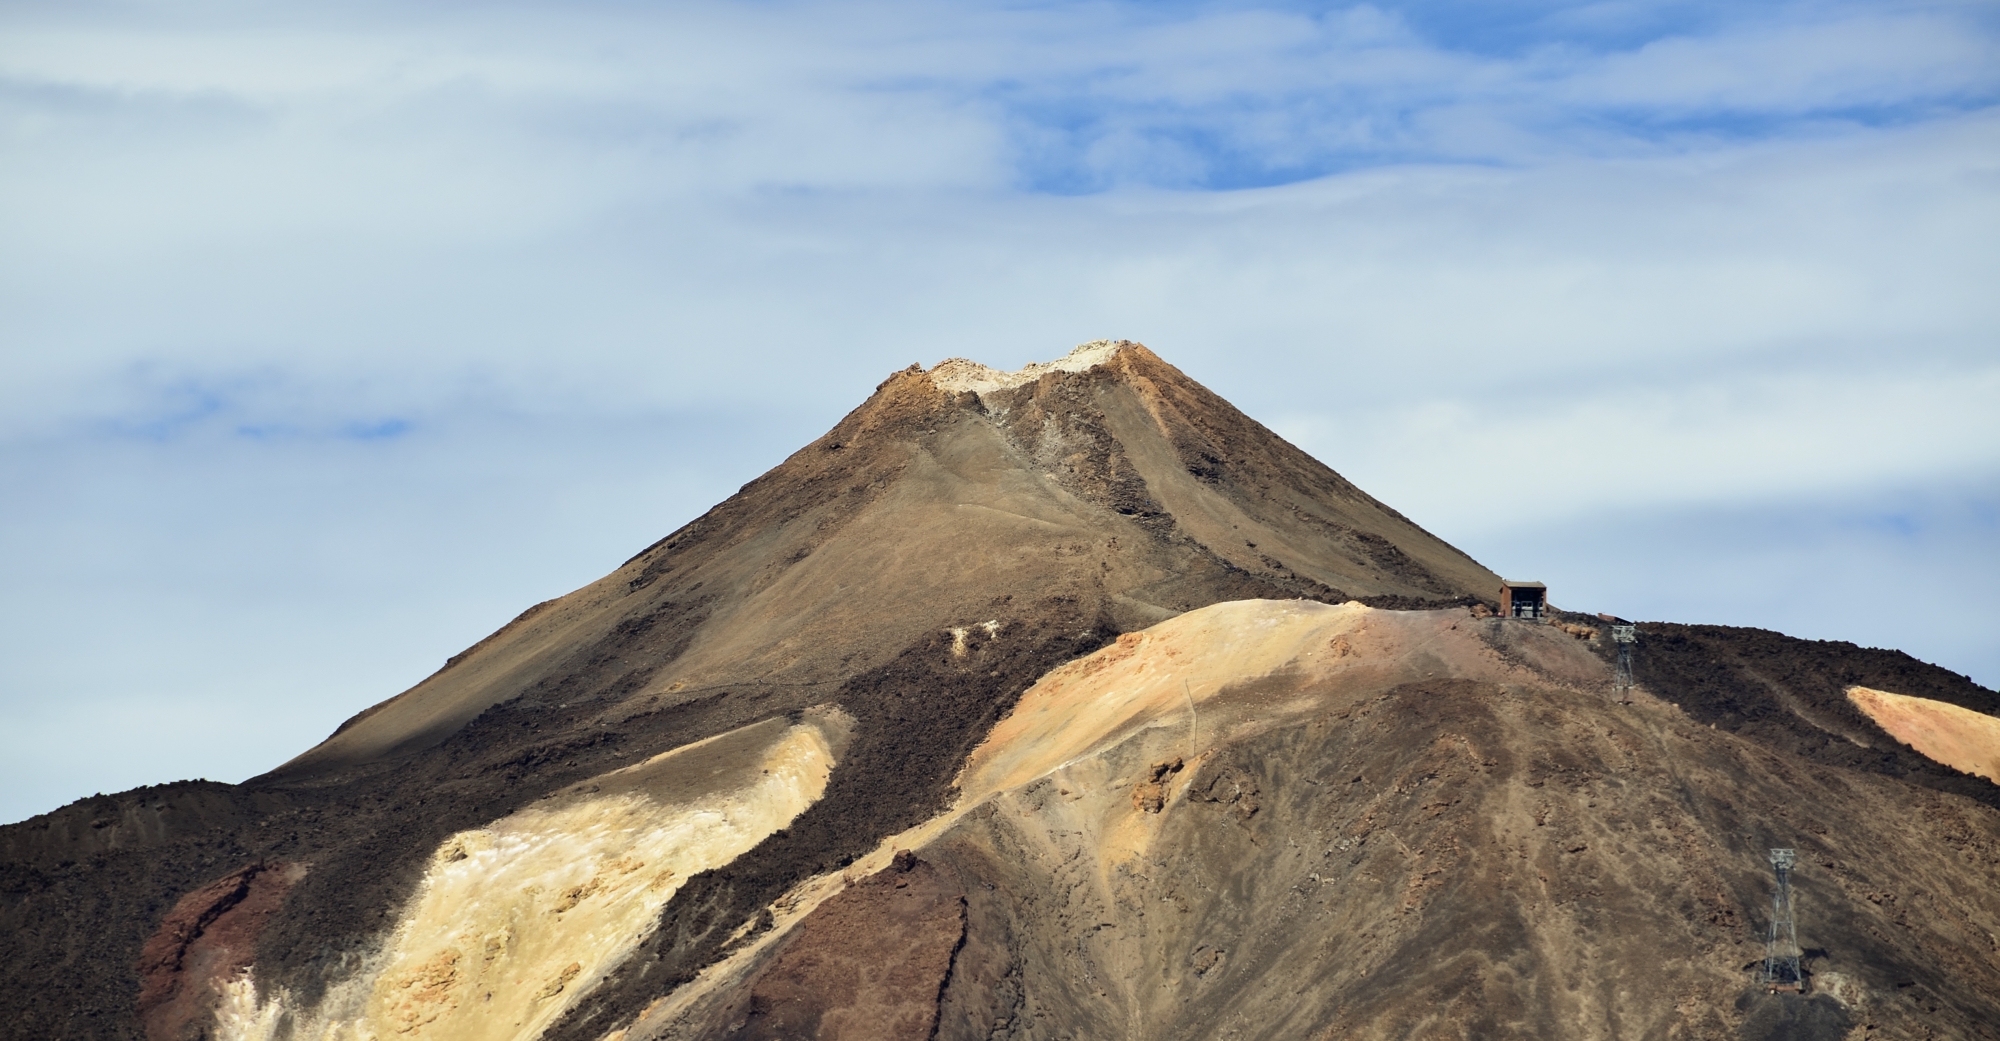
(867, 965)
(207, 939)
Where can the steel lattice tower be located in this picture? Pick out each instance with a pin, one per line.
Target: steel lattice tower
(1781, 951)
(1624, 636)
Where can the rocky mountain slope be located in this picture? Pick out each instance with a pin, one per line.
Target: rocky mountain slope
(1068, 702)
(1282, 819)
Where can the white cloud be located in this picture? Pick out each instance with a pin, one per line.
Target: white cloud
(1743, 439)
(1867, 59)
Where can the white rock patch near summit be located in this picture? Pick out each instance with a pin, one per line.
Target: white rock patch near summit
(958, 375)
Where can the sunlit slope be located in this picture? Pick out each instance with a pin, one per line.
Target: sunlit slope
(1285, 819)
(1212, 674)
(516, 920)
(1123, 488)
(1958, 737)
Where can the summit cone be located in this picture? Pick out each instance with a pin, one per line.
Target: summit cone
(1106, 489)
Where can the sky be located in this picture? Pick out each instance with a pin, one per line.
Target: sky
(334, 335)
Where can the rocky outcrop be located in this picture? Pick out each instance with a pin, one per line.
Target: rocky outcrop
(207, 940)
(869, 964)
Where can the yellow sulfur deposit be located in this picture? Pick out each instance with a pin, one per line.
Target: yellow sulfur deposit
(515, 920)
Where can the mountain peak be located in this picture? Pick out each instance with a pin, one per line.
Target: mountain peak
(1114, 497)
(959, 375)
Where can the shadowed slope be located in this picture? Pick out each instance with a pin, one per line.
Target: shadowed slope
(1791, 694)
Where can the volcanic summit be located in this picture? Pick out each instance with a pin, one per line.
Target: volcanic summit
(1067, 702)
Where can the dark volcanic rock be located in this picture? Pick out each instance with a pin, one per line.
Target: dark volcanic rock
(1791, 694)
(867, 965)
(208, 937)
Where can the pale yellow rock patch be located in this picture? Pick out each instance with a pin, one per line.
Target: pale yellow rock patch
(1958, 737)
(551, 898)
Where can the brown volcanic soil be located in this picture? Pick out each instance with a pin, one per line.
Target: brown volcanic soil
(1128, 489)
(1468, 860)
(1499, 849)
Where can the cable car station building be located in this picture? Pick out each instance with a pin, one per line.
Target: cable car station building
(1523, 600)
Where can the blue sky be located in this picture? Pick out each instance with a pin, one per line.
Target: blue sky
(334, 335)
